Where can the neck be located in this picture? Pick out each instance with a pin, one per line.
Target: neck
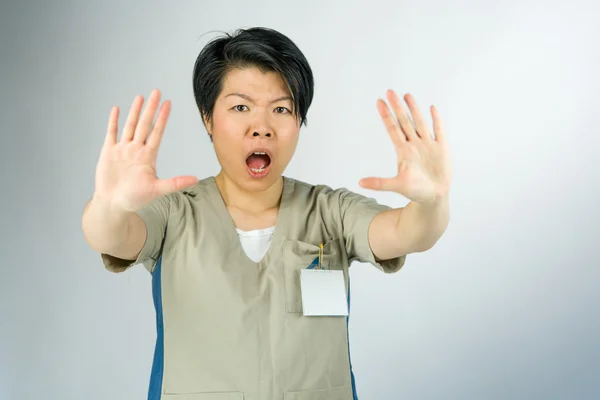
(253, 202)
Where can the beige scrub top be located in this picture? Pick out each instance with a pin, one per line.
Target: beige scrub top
(229, 328)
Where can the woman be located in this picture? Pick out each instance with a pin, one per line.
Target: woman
(250, 268)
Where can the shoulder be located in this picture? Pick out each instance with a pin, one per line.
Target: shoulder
(313, 192)
(326, 195)
(179, 201)
(199, 190)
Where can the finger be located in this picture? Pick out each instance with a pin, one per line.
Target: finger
(420, 123)
(132, 119)
(383, 184)
(113, 126)
(438, 128)
(165, 186)
(159, 127)
(391, 124)
(403, 119)
(143, 128)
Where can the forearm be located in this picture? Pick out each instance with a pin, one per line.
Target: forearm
(420, 226)
(104, 228)
(411, 229)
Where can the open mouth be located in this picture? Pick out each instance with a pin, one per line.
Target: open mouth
(258, 163)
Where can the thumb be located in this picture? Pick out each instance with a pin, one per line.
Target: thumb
(164, 186)
(383, 184)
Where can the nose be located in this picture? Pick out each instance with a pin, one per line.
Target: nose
(261, 125)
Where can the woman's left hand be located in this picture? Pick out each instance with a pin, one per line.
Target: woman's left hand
(424, 171)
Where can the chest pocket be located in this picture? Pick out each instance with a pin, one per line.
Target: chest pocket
(299, 255)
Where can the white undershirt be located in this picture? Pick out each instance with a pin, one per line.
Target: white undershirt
(256, 243)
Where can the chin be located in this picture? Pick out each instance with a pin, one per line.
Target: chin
(250, 181)
(253, 183)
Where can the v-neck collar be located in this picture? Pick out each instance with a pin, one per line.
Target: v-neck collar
(228, 224)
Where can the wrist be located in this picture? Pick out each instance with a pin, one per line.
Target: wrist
(438, 201)
(104, 206)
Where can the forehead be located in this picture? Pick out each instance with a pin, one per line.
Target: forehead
(255, 83)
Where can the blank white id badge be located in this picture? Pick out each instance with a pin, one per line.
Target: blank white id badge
(323, 292)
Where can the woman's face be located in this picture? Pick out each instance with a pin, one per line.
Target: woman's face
(253, 127)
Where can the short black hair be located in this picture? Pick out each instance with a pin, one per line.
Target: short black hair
(262, 48)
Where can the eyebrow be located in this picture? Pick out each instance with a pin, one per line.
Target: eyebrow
(245, 96)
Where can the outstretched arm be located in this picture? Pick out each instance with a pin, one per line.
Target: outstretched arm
(424, 175)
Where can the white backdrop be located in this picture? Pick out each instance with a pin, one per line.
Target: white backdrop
(504, 307)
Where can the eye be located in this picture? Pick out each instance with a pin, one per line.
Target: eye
(240, 108)
(281, 110)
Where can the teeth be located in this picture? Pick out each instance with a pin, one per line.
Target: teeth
(260, 153)
(257, 170)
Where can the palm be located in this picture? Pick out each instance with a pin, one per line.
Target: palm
(423, 161)
(130, 179)
(126, 171)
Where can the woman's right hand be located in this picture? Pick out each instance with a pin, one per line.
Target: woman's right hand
(126, 177)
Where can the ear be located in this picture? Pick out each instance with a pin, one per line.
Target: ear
(205, 120)
(207, 126)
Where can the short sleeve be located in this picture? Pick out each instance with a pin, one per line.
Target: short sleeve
(357, 212)
(155, 216)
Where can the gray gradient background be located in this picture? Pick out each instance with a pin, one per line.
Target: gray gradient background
(504, 307)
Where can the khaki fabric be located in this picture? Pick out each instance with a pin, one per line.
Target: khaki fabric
(230, 328)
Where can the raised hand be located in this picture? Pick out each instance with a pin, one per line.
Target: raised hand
(126, 170)
(424, 171)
